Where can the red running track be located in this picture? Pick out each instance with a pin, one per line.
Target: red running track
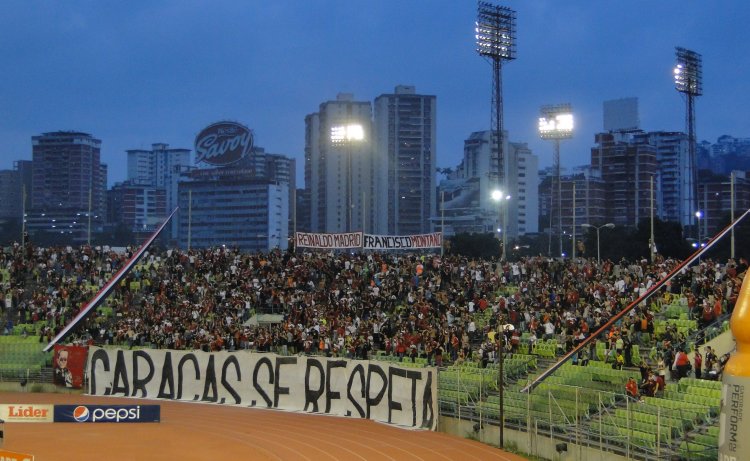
(192, 431)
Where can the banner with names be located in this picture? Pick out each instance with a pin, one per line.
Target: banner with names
(368, 241)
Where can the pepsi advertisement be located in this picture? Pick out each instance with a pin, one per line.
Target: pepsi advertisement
(107, 413)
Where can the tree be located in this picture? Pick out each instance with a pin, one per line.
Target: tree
(475, 245)
(668, 236)
(10, 231)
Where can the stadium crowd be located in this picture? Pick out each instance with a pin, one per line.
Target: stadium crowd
(345, 304)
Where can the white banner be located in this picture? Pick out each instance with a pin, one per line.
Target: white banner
(328, 241)
(403, 242)
(355, 388)
(368, 241)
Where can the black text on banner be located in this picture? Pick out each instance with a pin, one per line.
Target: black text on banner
(354, 388)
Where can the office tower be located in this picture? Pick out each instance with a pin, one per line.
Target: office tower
(241, 198)
(233, 207)
(68, 180)
(405, 148)
(339, 164)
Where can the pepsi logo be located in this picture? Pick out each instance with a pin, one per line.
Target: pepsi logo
(81, 414)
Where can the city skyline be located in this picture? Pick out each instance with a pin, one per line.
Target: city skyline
(133, 75)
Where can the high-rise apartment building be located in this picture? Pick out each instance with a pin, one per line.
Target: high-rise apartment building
(339, 166)
(405, 152)
(627, 168)
(68, 182)
(280, 169)
(161, 166)
(523, 188)
(140, 207)
(585, 185)
(469, 206)
(11, 191)
(673, 181)
(715, 202)
(729, 153)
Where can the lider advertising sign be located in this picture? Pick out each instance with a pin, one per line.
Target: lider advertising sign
(223, 143)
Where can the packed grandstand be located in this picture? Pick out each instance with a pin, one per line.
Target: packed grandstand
(451, 312)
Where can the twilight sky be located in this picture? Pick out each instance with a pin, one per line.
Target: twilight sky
(138, 72)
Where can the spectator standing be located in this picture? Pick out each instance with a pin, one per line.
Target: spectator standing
(681, 364)
(698, 364)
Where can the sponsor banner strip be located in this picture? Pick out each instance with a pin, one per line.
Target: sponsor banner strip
(406, 397)
(6, 455)
(107, 413)
(26, 413)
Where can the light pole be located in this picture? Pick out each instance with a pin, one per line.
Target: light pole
(442, 222)
(556, 124)
(698, 217)
(495, 34)
(346, 135)
(609, 225)
(688, 80)
(500, 378)
(502, 211)
(731, 211)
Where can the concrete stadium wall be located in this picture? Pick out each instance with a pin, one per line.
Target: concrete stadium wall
(10, 386)
(721, 345)
(524, 442)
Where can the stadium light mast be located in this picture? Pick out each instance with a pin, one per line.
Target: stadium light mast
(346, 136)
(688, 80)
(495, 33)
(496, 41)
(556, 124)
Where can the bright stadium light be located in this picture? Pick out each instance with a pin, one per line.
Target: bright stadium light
(688, 72)
(556, 123)
(495, 34)
(688, 80)
(346, 133)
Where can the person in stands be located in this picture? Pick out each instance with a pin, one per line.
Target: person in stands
(681, 363)
(698, 364)
(631, 388)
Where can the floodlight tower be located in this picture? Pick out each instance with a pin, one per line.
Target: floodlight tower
(348, 135)
(556, 124)
(496, 42)
(688, 80)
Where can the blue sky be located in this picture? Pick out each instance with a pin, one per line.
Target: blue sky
(138, 72)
